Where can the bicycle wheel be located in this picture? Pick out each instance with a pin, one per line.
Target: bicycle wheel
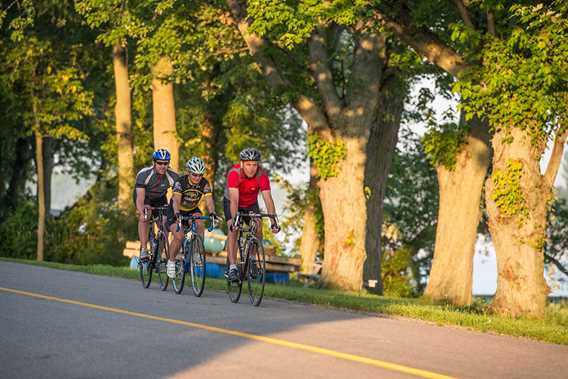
(162, 259)
(197, 265)
(181, 269)
(256, 271)
(234, 289)
(146, 267)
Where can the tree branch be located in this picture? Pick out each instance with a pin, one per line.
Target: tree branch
(306, 107)
(491, 23)
(426, 44)
(464, 13)
(556, 157)
(369, 61)
(319, 65)
(557, 263)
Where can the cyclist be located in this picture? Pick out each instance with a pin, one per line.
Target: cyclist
(188, 191)
(244, 182)
(152, 184)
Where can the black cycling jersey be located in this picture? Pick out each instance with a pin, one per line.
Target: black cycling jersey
(156, 185)
(191, 194)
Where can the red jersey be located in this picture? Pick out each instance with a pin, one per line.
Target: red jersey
(248, 187)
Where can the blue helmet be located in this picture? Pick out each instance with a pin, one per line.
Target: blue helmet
(161, 155)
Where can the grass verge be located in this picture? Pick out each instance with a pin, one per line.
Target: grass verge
(553, 328)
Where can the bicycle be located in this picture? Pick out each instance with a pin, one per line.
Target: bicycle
(159, 248)
(251, 260)
(193, 253)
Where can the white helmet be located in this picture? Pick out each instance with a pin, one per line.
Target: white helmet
(195, 165)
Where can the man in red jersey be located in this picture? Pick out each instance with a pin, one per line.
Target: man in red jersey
(244, 181)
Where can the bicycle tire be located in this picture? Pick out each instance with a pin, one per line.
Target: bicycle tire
(161, 266)
(179, 281)
(197, 265)
(234, 289)
(146, 267)
(256, 271)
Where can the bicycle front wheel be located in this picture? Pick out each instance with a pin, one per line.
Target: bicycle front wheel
(161, 261)
(256, 271)
(146, 267)
(234, 289)
(181, 268)
(197, 265)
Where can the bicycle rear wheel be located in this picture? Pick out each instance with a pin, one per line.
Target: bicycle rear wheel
(179, 281)
(162, 259)
(197, 265)
(234, 289)
(256, 271)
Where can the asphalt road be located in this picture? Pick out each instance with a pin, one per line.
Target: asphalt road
(61, 324)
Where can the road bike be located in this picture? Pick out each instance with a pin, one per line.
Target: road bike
(158, 252)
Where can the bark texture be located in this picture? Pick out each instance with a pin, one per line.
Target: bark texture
(123, 125)
(163, 106)
(459, 214)
(518, 229)
(310, 243)
(380, 149)
(40, 195)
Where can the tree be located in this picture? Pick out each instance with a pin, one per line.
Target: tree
(345, 65)
(116, 24)
(50, 87)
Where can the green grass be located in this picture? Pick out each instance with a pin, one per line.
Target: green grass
(553, 328)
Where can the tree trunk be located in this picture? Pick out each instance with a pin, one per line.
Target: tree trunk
(19, 171)
(459, 213)
(210, 131)
(310, 243)
(48, 165)
(345, 213)
(517, 197)
(163, 106)
(380, 149)
(123, 125)
(40, 194)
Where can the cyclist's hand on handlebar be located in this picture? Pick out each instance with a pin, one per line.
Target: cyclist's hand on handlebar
(275, 227)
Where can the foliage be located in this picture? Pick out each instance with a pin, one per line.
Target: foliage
(507, 192)
(411, 204)
(326, 155)
(556, 246)
(443, 144)
(18, 231)
(523, 75)
(396, 272)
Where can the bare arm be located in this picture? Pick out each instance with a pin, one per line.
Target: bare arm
(234, 199)
(210, 204)
(267, 197)
(140, 195)
(176, 202)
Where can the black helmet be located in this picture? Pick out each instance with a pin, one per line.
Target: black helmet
(250, 154)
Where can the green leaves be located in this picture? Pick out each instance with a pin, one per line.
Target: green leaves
(507, 192)
(443, 144)
(325, 155)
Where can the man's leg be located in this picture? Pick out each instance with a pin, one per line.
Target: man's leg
(174, 250)
(143, 235)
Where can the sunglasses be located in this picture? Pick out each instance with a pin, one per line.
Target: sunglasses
(196, 175)
(158, 163)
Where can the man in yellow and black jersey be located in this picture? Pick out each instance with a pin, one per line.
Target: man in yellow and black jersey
(188, 191)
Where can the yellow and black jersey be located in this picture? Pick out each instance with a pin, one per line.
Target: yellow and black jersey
(191, 194)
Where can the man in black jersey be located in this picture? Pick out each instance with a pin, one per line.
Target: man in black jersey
(188, 191)
(152, 184)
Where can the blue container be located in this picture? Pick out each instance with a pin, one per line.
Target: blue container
(214, 270)
(277, 277)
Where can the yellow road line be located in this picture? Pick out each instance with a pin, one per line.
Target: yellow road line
(269, 340)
